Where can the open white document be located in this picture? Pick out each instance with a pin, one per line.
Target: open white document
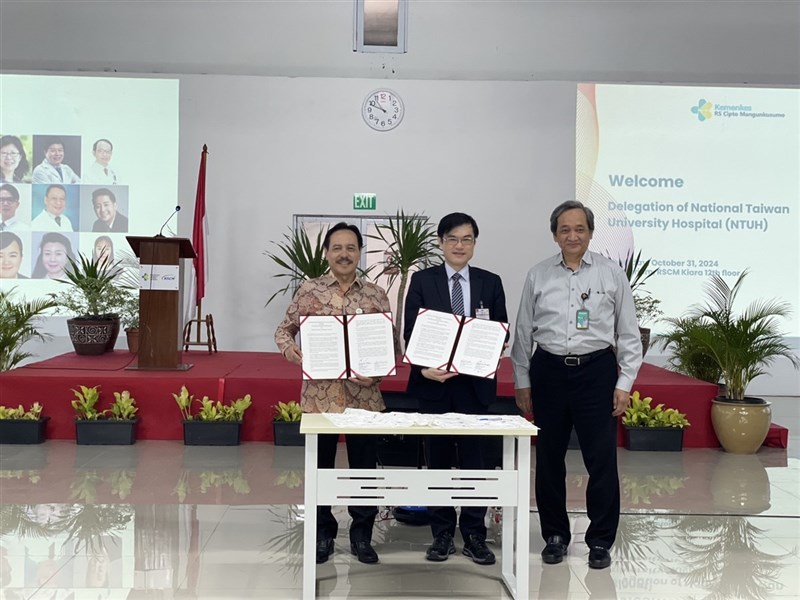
(339, 346)
(465, 345)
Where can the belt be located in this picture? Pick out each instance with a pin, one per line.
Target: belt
(575, 360)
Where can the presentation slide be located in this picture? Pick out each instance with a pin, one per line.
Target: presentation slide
(702, 180)
(84, 162)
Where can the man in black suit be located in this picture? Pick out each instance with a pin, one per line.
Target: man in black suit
(454, 287)
(109, 219)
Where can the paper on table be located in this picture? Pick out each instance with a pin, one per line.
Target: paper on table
(371, 342)
(356, 417)
(432, 339)
(322, 341)
(479, 347)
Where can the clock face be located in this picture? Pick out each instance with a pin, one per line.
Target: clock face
(382, 110)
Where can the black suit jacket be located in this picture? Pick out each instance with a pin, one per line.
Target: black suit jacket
(430, 289)
(120, 225)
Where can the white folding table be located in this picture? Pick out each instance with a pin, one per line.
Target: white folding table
(509, 488)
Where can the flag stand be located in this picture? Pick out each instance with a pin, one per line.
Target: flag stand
(211, 336)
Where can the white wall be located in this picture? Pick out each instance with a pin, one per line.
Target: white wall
(501, 151)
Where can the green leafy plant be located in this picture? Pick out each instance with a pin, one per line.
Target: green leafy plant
(741, 345)
(642, 414)
(210, 410)
(299, 259)
(85, 403)
(289, 412)
(124, 407)
(411, 242)
(91, 280)
(19, 413)
(637, 271)
(19, 324)
(687, 352)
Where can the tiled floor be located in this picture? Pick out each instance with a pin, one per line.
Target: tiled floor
(160, 520)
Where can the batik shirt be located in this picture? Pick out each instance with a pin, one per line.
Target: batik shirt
(323, 296)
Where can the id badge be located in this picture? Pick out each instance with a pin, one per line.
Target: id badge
(582, 319)
(482, 313)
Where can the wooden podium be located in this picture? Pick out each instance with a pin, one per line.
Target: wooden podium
(159, 309)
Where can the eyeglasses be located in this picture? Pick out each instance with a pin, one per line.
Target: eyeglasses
(452, 240)
(9, 155)
(5, 200)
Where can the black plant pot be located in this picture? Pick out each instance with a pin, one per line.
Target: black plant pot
(23, 431)
(660, 439)
(211, 433)
(106, 432)
(287, 433)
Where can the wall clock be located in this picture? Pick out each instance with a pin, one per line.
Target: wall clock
(382, 110)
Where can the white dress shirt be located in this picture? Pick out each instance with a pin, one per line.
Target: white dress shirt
(551, 298)
(47, 222)
(98, 174)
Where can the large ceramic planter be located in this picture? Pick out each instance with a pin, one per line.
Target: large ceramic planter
(658, 439)
(23, 431)
(287, 433)
(741, 426)
(90, 337)
(211, 433)
(115, 326)
(105, 432)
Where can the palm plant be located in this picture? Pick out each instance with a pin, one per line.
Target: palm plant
(411, 242)
(687, 354)
(91, 279)
(18, 325)
(299, 259)
(741, 345)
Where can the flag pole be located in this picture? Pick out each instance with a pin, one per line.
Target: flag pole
(199, 243)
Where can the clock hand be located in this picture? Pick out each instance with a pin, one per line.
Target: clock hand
(374, 105)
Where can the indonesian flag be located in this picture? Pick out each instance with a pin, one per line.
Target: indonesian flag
(200, 230)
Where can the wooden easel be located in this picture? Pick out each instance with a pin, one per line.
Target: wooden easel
(211, 337)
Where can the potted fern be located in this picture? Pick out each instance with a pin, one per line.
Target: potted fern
(209, 423)
(115, 425)
(650, 427)
(286, 424)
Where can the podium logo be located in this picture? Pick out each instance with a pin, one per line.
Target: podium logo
(704, 110)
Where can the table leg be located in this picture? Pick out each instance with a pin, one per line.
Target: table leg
(523, 514)
(310, 522)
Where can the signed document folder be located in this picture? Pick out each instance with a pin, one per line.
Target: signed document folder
(343, 346)
(465, 345)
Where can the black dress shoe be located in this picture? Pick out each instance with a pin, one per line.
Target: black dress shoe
(442, 547)
(477, 550)
(555, 550)
(364, 551)
(324, 550)
(599, 557)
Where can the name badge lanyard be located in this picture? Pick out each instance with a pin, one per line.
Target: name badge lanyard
(582, 316)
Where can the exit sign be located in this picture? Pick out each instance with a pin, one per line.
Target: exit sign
(364, 201)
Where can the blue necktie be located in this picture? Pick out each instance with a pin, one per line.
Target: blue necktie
(457, 297)
(60, 174)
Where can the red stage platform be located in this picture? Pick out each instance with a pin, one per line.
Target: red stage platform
(268, 378)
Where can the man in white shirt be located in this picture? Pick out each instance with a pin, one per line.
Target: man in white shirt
(577, 309)
(52, 218)
(9, 203)
(52, 169)
(99, 171)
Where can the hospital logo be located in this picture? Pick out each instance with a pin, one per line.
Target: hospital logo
(704, 110)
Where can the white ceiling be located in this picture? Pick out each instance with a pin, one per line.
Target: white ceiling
(673, 41)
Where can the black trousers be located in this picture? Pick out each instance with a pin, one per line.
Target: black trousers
(582, 396)
(471, 452)
(361, 454)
